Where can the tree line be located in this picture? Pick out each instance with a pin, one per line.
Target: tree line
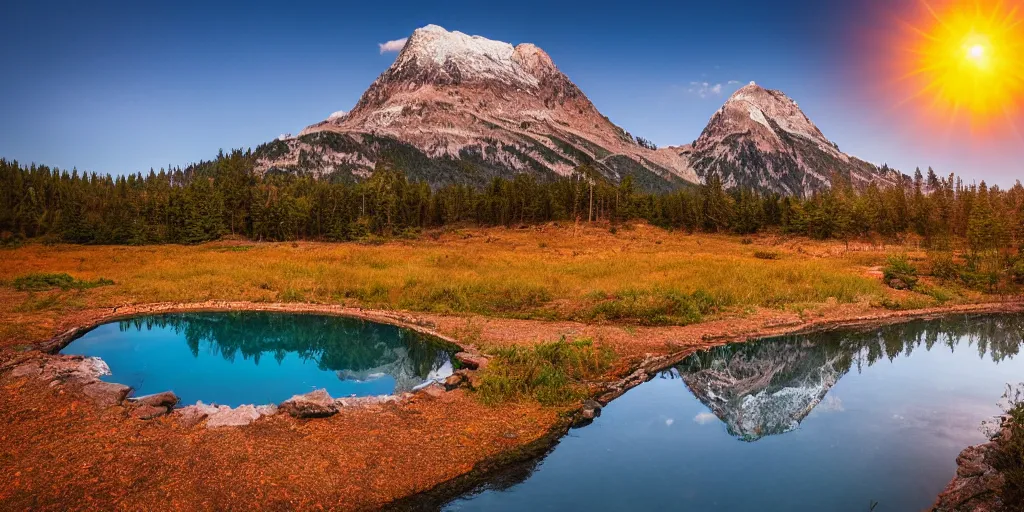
(224, 196)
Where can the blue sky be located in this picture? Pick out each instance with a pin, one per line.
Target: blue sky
(125, 86)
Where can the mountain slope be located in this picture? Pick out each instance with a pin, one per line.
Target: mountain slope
(761, 139)
(455, 108)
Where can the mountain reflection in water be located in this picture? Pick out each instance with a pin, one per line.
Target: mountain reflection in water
(235, 358)
(354, 349)
(882, 415)
(767, 387)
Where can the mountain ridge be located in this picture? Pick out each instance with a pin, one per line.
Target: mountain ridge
(461, 109)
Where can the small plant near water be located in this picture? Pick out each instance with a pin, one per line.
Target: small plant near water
(899, 273)
(553, 373)
(38, 282)
(1009, 456)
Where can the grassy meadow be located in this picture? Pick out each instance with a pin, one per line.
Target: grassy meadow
(638, 275)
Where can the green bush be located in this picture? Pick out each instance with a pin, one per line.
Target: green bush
(984, 270)
(38, 282)
(766, 255)
(551, 373)
(943, 267)
(899, 273)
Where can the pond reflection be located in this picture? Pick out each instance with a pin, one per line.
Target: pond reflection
(766, 388)
(834, 421)
(256, 357)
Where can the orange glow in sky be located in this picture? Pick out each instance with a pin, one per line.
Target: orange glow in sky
(960, 63)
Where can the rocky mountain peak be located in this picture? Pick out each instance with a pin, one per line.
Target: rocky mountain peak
(760, 138)
(439, 55)
(466, 109)
(763, 114)
(778, 107)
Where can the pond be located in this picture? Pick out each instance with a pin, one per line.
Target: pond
(236, 358)
(836, 422)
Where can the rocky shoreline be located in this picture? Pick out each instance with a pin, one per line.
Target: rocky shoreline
(82, 374)
(977, 485)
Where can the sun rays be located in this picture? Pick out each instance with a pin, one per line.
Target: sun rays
(964, 61)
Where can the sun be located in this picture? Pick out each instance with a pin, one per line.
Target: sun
(967, 58)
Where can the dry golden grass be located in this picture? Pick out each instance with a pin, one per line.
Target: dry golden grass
(638, 275)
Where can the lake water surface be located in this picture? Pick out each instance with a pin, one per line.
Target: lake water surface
(259, 358)
(829, 422)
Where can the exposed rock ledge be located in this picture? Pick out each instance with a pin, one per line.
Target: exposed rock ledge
(83, 374)
(316, 404)
(977, 484)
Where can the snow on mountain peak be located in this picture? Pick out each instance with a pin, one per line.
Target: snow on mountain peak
(470, 57)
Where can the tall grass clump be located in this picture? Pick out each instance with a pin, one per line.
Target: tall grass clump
(653, 307)
(38, 282)
(552, 373)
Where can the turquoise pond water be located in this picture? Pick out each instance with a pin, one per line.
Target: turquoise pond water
(260, 358)
(831, 422)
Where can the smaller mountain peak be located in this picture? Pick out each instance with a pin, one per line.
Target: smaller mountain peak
(432, 28)
(751, 91)
(533, 59)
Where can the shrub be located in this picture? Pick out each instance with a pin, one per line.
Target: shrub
(1017, 272)
(943, 267)
(37, 282)
(899, 273)
(1009, 457)
(984, 270)
(551, 373)
(746, 241)
(766, 255)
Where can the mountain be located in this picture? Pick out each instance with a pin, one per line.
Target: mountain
(455, 108)
(460, 109)
(761, 139)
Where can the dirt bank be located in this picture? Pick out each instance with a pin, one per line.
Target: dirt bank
(59, 451)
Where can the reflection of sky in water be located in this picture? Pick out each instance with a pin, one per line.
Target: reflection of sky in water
(158, 358)
(890, 433)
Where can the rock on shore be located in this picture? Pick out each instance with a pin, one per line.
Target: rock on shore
(976, 486)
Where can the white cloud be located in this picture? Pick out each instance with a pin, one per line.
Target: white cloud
(669, 422)
(704, 418)
(705, 89)
(708, 89)
(336, 115)
(392, 46)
